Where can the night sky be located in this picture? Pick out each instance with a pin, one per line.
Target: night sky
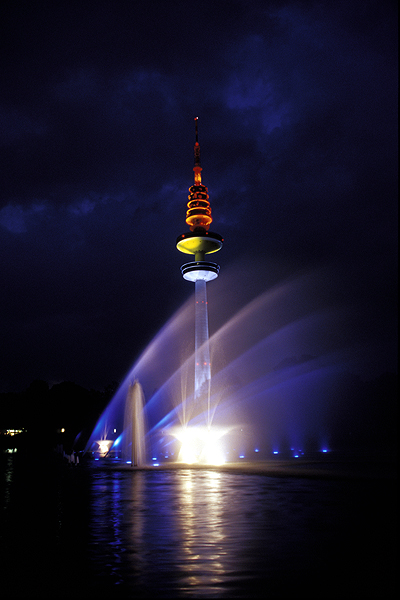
(297, 107)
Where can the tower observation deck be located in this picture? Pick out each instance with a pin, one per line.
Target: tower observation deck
(199, 241)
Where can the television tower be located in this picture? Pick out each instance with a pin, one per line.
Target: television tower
(199, 241)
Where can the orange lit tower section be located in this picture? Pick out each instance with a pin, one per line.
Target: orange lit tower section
(199, 241)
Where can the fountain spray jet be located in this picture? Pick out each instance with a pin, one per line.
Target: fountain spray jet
(199, 241)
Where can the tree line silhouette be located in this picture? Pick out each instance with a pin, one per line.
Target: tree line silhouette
(63, 413)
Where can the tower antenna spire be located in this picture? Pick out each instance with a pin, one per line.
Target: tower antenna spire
(197, 168)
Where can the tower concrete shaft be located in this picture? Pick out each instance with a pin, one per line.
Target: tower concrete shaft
(202, 371)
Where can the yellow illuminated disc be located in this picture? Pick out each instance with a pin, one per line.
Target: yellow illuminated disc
(191, 245)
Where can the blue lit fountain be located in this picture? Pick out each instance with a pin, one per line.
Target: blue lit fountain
(279, 364)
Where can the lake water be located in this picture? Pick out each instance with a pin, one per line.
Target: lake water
(89, 531)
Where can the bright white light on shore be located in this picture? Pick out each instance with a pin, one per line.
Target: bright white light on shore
(13, 431)
(212, 451)
(187, 452)
(104, 446)
(200, 445)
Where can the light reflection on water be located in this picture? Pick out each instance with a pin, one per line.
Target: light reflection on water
(202, 530)
(165, 523)
(208, 533)
(94, 532)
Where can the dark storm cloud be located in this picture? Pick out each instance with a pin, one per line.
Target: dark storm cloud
(297, 106)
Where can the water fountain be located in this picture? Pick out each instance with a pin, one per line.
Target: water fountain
(134, 447)
(280, 361)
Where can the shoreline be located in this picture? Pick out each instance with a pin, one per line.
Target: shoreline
(312, 469)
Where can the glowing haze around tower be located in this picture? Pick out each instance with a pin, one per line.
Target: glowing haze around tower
(199, 241)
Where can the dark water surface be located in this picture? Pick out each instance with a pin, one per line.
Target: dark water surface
(87, 531)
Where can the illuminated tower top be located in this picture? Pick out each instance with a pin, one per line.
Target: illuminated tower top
(199, 241)
(198, 216)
